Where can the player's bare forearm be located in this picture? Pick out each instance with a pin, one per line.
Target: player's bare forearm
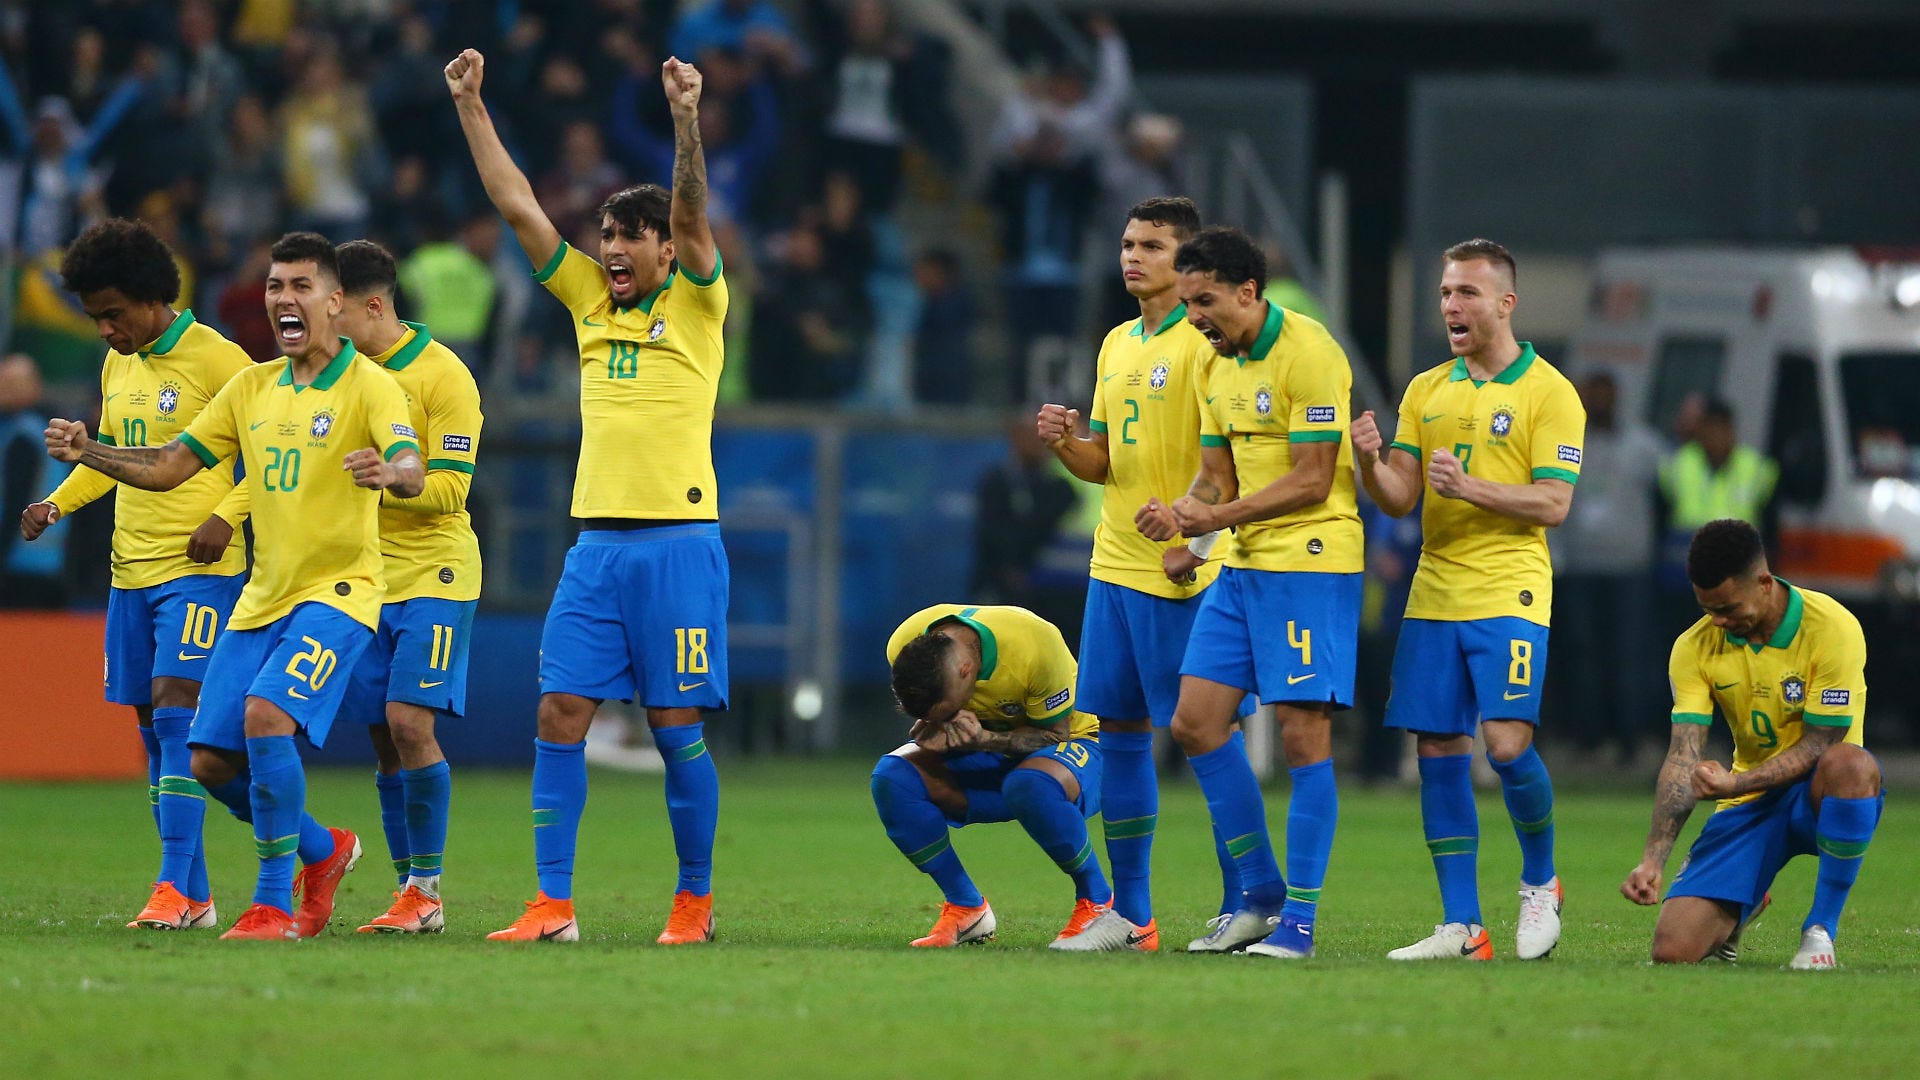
(1308, 483)
(507, 187)
(1542, 502)
(1392, 479)
(1019, 741)
(693, 237)
(151, 468)
(1086, 459)
(1673, 796)
(1793, 765)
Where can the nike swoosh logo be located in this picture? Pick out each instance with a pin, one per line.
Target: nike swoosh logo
(1517, 697)
(1723, 686)
(549, 935)
(256, 427)
(1469, 946)
(111, 396)
(291, 692)
(1134, 937)
(684, 687)
(1292, 679)
(194, 656)
(1109, 378)
(425, 685)
(584, 321)
(1425, 419)
(1210, 400)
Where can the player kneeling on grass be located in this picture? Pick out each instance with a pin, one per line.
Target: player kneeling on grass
(995, 738)
(1790, 664)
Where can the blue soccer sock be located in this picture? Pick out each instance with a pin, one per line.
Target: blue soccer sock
(559, 797)
(279, 796)
(1130, 808)
(1529, 792)
(1232, 896)
(152, 743)
(182, 803)
(393, 820)
(236, 794)
(919, 829)
(429, 797)
(1041, 806)
(1312, 812)
(1841, 833)
(316, 840)
(1240, 816)
(1452, 824)
(693, 803)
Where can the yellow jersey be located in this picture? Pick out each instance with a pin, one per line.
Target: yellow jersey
(1811, 671)
(147, 399)
(1293, 386)
(1145, 389)
(316, 534)
(649, 373)
(1526, 424)
(427, 545)
(1027, 674)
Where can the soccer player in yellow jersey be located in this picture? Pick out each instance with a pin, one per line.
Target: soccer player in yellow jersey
(417, 664)
(641, 608)
(176, 571)
(323, 430)
(1492, 439)
(1283, 620)
(1786, 667)
(1144, 442)
(996, 737)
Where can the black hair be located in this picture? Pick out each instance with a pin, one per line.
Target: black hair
(920, 674)
(1723, 549)
(1176, 212)
(366, 268)
(123, 254)
(310, 247)
(637, 209)
(1717, 409)
(1228, 254)
(1478, 248)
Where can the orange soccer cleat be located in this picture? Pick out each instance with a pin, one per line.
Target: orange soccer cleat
(263, 922)
(413, 912)
(166, 909)
(316, 884)
(690, 922)
(1085, 912)
(545, 919)
(959, 926)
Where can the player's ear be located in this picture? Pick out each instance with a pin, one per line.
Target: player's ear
(666, 252)
(336, 301)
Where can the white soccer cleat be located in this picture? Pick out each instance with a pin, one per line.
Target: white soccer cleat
(1108, 932)
(1450, 941)
(1290, 939)
(1232, 933)
(1816, 951)
(1539, 929)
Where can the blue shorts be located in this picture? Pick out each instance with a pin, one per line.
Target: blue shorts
(418, 656)
(301, 662)
(165, 631)
(1290, 637)
(1737, 854)
(1131, 643)
(641, 616)
(1459, 673)
(979, 770)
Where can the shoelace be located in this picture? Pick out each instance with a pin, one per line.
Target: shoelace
(1219, 924)
(1535, 903)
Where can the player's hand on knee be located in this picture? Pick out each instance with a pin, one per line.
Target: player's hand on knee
(1642, 885)
(209, 542)
(35, 519)
(1156, 522)
(1057, 422)
(1366, 435)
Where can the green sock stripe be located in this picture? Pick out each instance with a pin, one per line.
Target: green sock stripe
(273, 849)
(1079, 858)
(688, 753)
(401, 866)
(153, 794)
(544, 816)
(1454, 845)
(1132, 828)
(425, 865)
(1841, 849)
(931, 852)
(1240, 845)
(1311, 896)
(183, 786)
(1532, 827)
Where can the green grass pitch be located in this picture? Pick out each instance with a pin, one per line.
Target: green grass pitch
(811, 975)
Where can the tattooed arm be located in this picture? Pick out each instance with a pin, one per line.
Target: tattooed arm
(693, 246)
(1673, 801)
(1711, 780)
(1216, 484)
(160, 468)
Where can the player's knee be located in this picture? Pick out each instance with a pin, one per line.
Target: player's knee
(1674, 949)
(1845, 767)
(894, 777)
(564, 718)
(264, 718)
(211, 769)
(411, 734)
(1027, 790)
(1507, 741)
(1189, 732)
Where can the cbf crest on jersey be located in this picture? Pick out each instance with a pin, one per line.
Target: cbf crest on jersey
(169, 399)
(659, 327)
(1793, 690)
(322, 424)
(1502, 422)
(1263, 400)
(1158, 379)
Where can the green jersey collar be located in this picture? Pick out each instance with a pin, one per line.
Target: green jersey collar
(1789, 623)
(411, 350)
(1140, 325)
(1269, 333)
(328, 375)
(165, 342)
(989, 648)
(1506, 378)
(646, 302)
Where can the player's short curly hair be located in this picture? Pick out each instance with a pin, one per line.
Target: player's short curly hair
(638, 209)
(366, 268)
(123, 254)
(1722, 550)
(1225, 253)
(920, 674)
(1176, 212)
(308, 247)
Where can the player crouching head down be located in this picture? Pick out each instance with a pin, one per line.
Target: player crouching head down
(1223, 282)
(303, 295)
(933, 677)
(636, 241)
